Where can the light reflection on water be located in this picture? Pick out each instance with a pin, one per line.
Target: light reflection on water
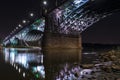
(55, 60)
(48, 64)
(38, 65)
(26, 61)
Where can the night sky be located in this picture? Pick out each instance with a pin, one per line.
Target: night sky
(12, 12)
(106, 31)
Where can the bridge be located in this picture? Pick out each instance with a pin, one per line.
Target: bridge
(30, 35)
(62, 27)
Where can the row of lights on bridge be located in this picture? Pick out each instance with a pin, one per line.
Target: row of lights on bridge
(20, 25)
(24, 21)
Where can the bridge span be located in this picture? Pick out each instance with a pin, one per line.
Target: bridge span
(62, 27)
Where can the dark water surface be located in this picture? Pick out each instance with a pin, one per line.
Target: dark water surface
(7, 72)
(34, 64)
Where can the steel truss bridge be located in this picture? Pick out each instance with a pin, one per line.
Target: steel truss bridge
(71, 18)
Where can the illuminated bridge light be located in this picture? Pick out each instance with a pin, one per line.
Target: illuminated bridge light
(79, 23)
(31, 14)
(77, 1)
(23, 34)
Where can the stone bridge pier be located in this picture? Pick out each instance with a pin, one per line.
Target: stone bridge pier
(61, 41)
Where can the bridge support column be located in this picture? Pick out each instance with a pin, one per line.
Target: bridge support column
(61, 41)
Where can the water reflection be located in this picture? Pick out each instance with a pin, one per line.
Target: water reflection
(32, 64)
(64, 64)
(29, 63)
(55, 60)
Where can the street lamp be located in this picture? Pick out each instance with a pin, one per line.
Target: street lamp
(20, 25)
(31, 14)
(44, 7)
(16, 27)
(24, 21)
(45, 2)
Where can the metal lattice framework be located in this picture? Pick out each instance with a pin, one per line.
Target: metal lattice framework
(64, 18)
(74, 17)
(79, 22)
(37, 26)
(33, 32)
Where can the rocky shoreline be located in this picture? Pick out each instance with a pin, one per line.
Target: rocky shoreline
(107, 68)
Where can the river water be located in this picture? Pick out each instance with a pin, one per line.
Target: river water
(36, 64)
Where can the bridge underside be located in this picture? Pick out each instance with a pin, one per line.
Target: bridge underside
(72, 18)
(32, 38)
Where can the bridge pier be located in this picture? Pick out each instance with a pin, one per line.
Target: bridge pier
(61, 41)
